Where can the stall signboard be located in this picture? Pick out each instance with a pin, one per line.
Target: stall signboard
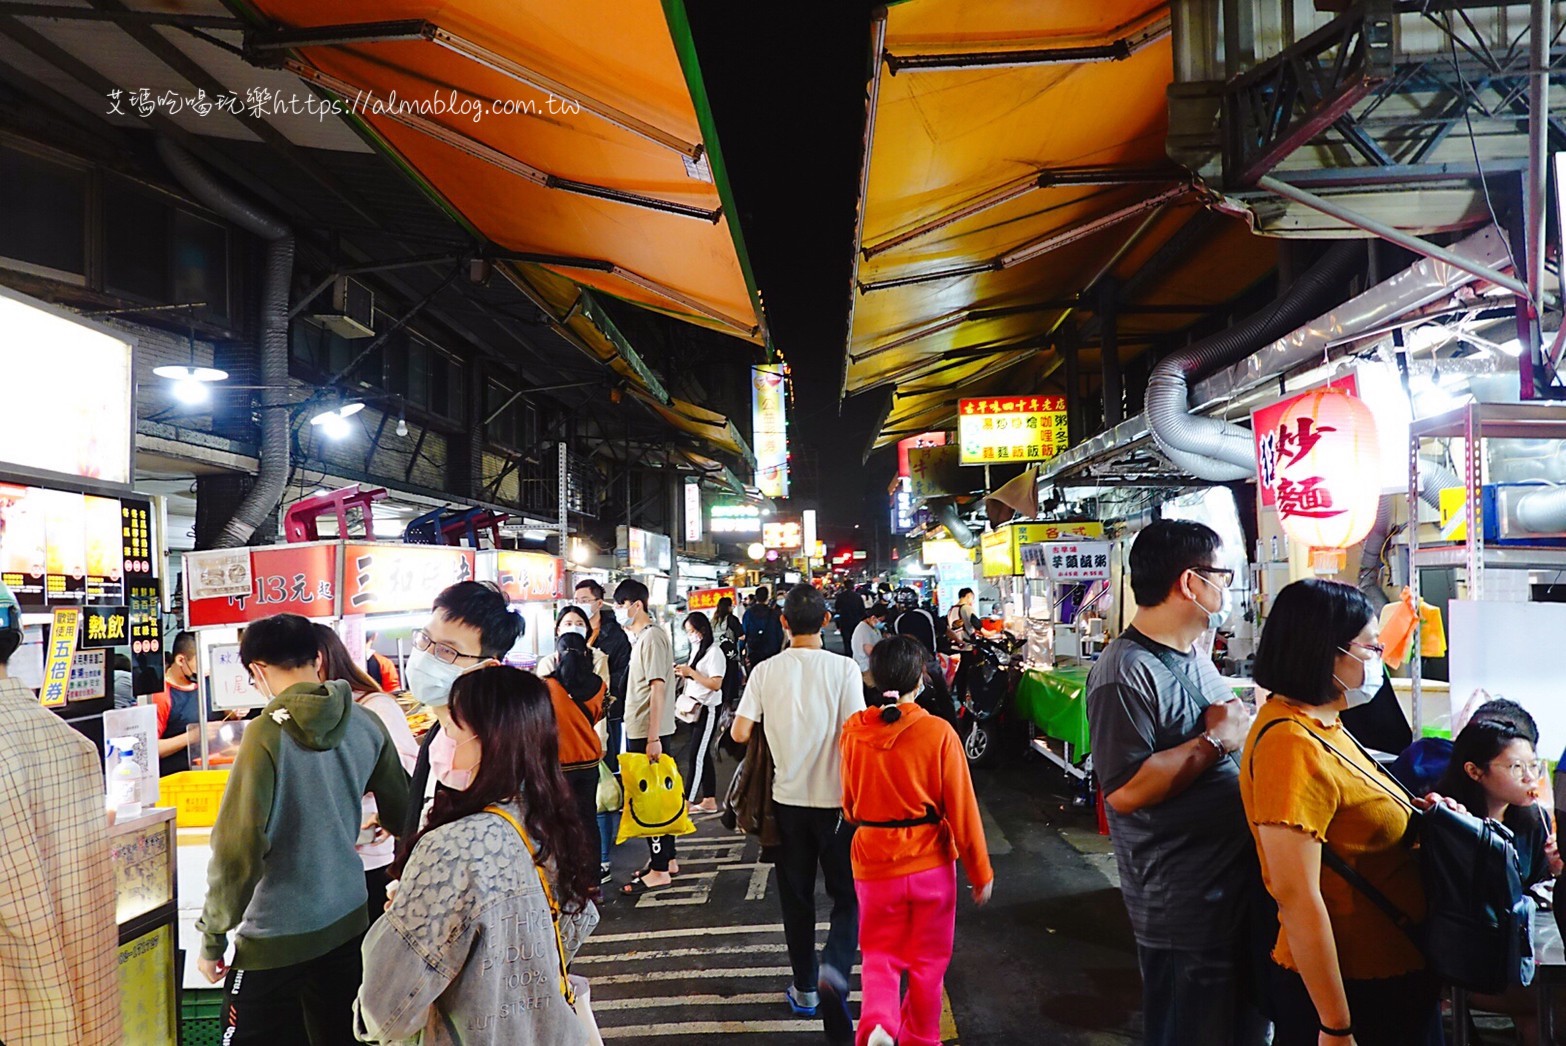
(644, 550)
(995, 554)
(906, 447)
(104, 627)
(530, 577)
(944, 550)
(397, 579)
(231, 687)
(63, 547)
(708, 598)
(68, 396)
(934, 471)
(769, 428)
(89, 675)
(285, 579)
(741, 520)
(1277, 446)
(693, 518)
(902, 508)
(1076, 560)
(136, 538)
(146, 623)
(1007, 429)
(218, 573)
(57, 662)
(785, 535)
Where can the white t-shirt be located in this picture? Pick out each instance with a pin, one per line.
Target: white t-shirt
(381, 854)
(712, 663)
(865, 634)
(802, 697)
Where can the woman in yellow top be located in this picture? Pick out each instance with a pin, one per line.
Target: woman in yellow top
(1344, 973)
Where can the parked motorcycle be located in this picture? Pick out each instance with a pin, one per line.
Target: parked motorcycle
(993, 668)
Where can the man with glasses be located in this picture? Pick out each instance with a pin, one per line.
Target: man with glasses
(471, 625)
(605, 633)
(1166, 733)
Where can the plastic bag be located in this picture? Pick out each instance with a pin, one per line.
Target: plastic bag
(654, 798)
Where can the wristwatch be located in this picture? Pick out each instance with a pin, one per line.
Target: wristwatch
(1210, 739)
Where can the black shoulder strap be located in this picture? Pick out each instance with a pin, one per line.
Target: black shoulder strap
(1190, 688)
(1329, 857)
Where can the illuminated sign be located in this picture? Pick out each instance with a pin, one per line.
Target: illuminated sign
(769, 428)
(1073, 560)
(1002, 549)
(645, 550)
(693, 520)
(925, 439)
(1011, 428)
(995, 553)
(937, 551)
(529, 577)
(785, 535)
(744, 520)
(708, 598)
(62, 547)
(902, 509)
(68, 396)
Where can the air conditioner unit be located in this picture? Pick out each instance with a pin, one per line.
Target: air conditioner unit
(352, 314)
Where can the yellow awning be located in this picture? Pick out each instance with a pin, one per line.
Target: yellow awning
(709, 426)
(1016, 153)
(575, 134)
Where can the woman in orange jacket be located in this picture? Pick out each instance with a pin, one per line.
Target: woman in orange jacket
(577, 692)
(906, 786)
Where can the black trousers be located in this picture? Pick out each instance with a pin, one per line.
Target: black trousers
(696, 762)
(310, 1002)
(584, 790)
(660, 849)
(375, 881)
(1200, 998)
(812, 839)
(1390, 1011)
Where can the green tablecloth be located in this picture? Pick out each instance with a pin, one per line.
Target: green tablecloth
(1055, 700)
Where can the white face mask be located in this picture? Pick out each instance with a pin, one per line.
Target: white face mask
(1367, 690)
(580, 630)
(429, 678)
(1217, 618)
(622, 615)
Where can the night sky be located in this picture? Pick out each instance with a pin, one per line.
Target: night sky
(787, 86)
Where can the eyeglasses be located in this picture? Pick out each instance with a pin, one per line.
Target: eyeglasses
(1524, 771)
(441, 651)
(1221, 572)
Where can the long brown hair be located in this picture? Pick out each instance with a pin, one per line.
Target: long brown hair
(337, 663)
(510, 712)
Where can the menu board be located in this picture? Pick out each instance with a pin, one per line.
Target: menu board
(136, 538)
(63, 548)
(146, 626)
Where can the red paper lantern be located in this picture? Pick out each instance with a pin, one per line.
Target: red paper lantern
(1328, 483)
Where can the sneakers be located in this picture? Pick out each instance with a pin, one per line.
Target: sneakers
(803, 1003)
(605, 873)
(836, 1021)
(881, 1037)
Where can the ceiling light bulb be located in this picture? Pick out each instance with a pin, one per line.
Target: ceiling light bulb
(335, 426)
(402, 426)
(190, 392)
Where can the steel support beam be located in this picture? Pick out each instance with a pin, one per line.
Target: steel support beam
(1405, 240)
(1117, 49)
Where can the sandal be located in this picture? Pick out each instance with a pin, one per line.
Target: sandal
(674, 873)
(636, 887)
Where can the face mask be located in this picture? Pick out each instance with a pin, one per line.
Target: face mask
(443, 751)
(623, 616)
(1366, 691)
(261, 685)
(1216, 618)
(430, 679)
(580, 630)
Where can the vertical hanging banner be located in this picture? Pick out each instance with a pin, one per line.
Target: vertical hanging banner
(62, 647)
(693, 516)
(769, 428)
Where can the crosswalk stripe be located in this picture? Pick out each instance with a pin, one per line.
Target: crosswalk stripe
(679, 953)
(693, 975)
(644, 1031)
(688, 931)
(657, 1001)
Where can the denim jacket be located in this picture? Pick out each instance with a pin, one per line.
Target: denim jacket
(466, 954)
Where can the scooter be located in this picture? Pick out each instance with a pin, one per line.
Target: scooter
(994, 666)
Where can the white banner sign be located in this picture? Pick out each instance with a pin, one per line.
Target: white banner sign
(1077, 560)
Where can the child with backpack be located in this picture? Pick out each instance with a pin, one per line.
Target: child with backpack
(907, 788)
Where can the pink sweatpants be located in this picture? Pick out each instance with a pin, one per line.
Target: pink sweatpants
(906, 926)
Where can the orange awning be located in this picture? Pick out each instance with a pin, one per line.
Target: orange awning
(1017, 154)
(575, 135)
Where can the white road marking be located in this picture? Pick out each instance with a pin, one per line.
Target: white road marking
(757, 890)
(693, 975)
(659, 1001)
(688, 931)
(678, 953)
(645, 1031)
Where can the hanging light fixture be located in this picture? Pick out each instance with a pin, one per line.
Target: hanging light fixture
(334, 423)
(191, 382)
(1328, 484)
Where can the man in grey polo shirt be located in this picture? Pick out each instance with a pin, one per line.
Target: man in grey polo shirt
(1166, 737)
(649, 712)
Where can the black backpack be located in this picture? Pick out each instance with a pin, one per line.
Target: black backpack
(1478, 928)
(760, 644)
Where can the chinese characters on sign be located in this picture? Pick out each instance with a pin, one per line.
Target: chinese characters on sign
(1280, 446)
(769, 428)
(398, 578)
(106, 627)
(707, 598)
(57, 666)
(1076, 560)
(1009, 429)
(530, 577)
(1318, 461)
(89, 675)
(287, 579)
(784, 535)
(146, 628)
(136, 537)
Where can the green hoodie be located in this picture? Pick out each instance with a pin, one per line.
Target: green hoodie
(284, 870)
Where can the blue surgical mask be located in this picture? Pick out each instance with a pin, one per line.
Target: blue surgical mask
(429, 678)
(1216, 618)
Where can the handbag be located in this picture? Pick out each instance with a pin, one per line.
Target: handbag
(574, 988)
(611, 797)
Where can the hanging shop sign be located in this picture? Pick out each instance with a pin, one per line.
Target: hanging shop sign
(57, 663)
(136, 539)
(146, 623)
(644, 550)
(399, 579)
(934, 471)
(64, 547)
(902, 508)
(769, 428)
(285, 579)
(68, 397)
(937, 551)
(743, 520)
(1071, 560)
(1321, 458)
(906, 447)
(1276, 444)
(996, 555)
(530, 577)
(708, 598)
(693, 519)
(105, 627)
(785, 535)
(1011, 428)
(1002, 555)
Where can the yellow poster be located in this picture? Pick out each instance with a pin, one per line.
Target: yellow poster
(62, 647)
(147, 988)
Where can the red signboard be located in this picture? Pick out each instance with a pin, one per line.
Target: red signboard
(1274, 444)
(924, 439)
(530, 577)
(707, 598)
(286, 579)
(393, 579)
